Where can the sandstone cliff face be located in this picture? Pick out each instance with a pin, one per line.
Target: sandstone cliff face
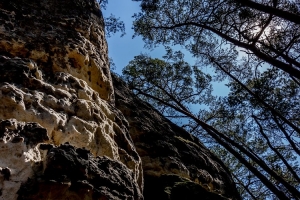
(55, 73)
(62, 133)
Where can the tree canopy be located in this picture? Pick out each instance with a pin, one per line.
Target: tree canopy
(112, 24)
(174, 81)
(254, 45)
(266, 33)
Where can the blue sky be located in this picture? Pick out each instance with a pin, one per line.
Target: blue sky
(123, 49)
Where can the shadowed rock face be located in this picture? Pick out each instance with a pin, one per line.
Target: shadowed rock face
(176, 164)
(62, 133)
(72, 173)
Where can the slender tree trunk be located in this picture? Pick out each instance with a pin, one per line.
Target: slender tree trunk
(289, 167)
(265, 57)
(275, 112)
(271, 10)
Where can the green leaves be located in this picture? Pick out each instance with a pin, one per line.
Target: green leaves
(251, 26)
(172, 80)
(114, 25)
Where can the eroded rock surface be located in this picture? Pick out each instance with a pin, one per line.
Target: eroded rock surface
(54, 73)
(60, 36)
(64, 172)
(176, 164)
(19, 155)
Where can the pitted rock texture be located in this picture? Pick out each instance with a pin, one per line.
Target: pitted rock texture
(69, 109)
(74, 173)
(54, 73)
(60, 36)
(176, 165)
(19, 155)
(36, 169)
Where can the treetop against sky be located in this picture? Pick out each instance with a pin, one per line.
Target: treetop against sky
(123, 49)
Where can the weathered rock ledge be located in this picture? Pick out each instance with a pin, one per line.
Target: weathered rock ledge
(68, 132)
